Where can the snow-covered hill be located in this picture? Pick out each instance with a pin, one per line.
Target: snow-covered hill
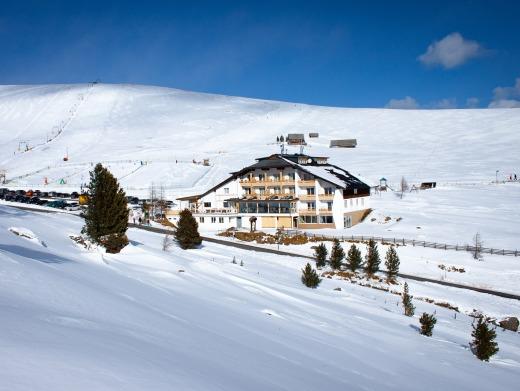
(145, 319)
(124, 125)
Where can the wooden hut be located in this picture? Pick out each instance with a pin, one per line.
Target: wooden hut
(345, 143)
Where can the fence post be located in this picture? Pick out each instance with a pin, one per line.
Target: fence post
(403, 241)
(413, 242)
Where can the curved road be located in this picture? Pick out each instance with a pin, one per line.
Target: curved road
(249, 247)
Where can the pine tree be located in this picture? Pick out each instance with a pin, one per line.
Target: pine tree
(427, 323)
(309, 277)
(409, 308)
(336, 255)
(106, 218)
(483, 345)
(372, 258)
(392, 262)
(320, 253)
(187, 233)
(354, 258)
(277, 139)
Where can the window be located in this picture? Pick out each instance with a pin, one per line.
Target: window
(326, 220)
(362, 202)
(221, 220)
(309, 219)
(290, 176)
(351, 202)
(201, 220)
(329, 205)
(226, 190)
(226, 204)
(329, 190)
(310, 191)
(261, 177)
(311, 206)
(207, 205)
(355, 191)
(213, 220)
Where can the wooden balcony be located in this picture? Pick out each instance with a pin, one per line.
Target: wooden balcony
(307, 182)
(307, 197)
(326, 197)
(307, 212)
(274, 197)
(325, 212)
(267, 182)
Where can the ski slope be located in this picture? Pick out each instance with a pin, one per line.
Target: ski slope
(74, 319)
(151, 134)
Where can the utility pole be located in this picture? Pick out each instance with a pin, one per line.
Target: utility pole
(496, 175)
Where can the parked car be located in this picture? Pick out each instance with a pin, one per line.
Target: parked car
(66, 195)
(53, 194)
(20, 198)
(73, 206)
(20, 192)
(34, 200)
(74, 195)
(60, 195)
(4, 190)
(60, 204)
(29, 193)
(8, 197)
(44, 194)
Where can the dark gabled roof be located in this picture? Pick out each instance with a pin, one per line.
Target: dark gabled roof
(327, 172)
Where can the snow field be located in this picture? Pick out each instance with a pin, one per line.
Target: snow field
(78, 319)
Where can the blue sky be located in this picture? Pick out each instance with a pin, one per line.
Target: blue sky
(405, 54)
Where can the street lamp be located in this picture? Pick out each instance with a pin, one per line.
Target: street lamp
(496, 175)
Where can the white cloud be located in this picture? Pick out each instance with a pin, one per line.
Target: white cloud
(446, 103)
(408, 103)
(451, 51)
(506, 97)
(472, 103)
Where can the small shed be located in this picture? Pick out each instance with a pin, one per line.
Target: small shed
(314, 135)
(345, 143)
(295, 139)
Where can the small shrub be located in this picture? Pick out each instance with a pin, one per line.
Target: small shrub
(320, 253)
(372, 258)
(392, 262)
(483, 345)
(336, 255)
(113, 243)
(309, 277)
(427, 323)
(354, 258)
(409, 308)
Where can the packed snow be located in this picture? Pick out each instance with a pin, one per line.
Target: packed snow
(82, 319)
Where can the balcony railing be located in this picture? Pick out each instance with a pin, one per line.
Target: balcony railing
(307, 212)
(307, 197)
(264, 197)
(325, 211)
(326, 197)
(267, 182)
(222, 211)
(306, 182)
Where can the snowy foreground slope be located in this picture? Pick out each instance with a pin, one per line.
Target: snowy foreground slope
(124, 125)
(79, 320)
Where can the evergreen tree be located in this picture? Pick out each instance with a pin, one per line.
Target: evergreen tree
(336, 255)
(106, 218)
(309, 277)
(392, 262)
(483, 345)
(320, 253)
(277, 139)
(354, 258)
(281, 139)
(372, 258)
(187, 233)
(427, 323)
(409, 308)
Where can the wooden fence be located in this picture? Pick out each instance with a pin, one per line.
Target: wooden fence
(420, 243)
